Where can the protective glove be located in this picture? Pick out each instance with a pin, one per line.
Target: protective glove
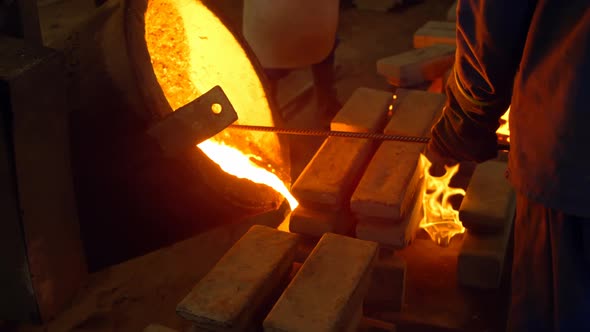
(465, 131)
(438, 161)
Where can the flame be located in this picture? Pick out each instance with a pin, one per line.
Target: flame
(504, 129)
(192, 51)
(240, 165)
(441, 220)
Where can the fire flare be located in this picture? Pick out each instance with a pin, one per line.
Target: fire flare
(504, 129)
(441, 220)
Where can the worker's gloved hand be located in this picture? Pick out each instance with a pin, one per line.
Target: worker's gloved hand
(438, 161)
(465, 131)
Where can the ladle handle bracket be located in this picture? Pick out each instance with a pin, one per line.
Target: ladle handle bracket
(194, 122)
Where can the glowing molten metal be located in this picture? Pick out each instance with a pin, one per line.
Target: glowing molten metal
(441, 220)
(238, 164)
(192, 51)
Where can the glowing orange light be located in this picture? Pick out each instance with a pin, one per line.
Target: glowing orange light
(240, 165)
(504, 129)
(390, 108)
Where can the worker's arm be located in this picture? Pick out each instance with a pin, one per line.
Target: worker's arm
(491, 35)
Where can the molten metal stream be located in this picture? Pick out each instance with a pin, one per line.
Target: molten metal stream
(236, 163)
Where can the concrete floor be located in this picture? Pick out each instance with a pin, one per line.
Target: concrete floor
(129, 296)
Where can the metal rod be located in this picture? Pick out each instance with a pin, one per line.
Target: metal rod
(327, 133)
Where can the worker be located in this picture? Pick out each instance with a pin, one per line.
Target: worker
(323, 74)
(287, 35)
(535, 56)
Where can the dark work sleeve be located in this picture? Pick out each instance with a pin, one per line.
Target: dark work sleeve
(491, 36)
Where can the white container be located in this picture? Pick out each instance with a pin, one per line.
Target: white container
(290, 33)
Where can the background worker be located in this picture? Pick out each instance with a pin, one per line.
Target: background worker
(287, 35)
